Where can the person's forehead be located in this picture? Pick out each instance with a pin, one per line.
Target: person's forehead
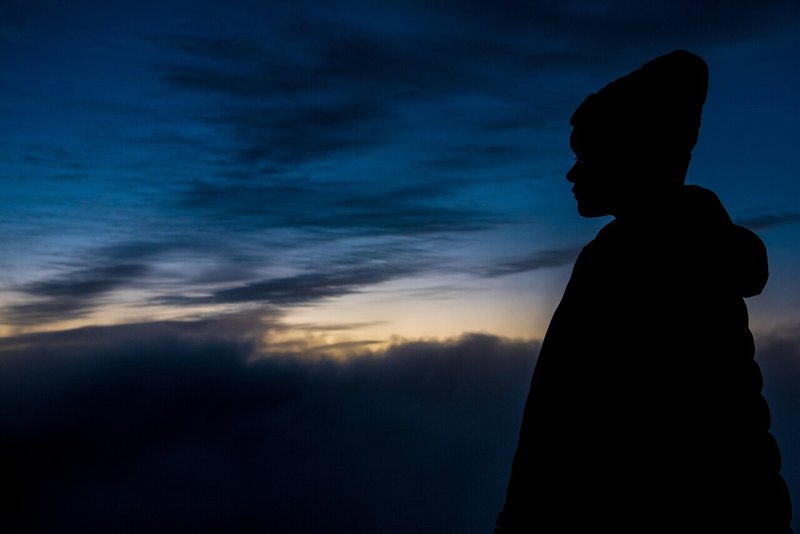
(597, 142)
(573, 140)
(577, 141)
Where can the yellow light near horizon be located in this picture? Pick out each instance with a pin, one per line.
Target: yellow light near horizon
(403, 309)
(436, 308)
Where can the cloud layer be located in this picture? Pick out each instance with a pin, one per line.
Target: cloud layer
(176, 427)
(177, 430)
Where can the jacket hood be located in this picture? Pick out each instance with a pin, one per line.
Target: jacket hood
(716, 251)
(738, 255)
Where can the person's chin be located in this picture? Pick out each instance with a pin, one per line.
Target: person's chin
(591, 209)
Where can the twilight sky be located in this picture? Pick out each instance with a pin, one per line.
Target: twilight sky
(210, 182)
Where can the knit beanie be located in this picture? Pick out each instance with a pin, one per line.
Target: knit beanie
(654, 110)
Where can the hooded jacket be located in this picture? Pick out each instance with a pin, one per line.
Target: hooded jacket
(645, 411)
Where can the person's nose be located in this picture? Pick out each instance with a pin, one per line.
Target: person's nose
(572, 174)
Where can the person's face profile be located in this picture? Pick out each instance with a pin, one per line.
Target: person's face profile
(596, 176)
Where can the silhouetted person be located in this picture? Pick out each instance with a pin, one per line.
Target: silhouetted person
(645, 412)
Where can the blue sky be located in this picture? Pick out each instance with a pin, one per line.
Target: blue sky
(181, 160)
(321, 181)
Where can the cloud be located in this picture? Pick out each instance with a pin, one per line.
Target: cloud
(313, 91)
(189, 272)
(479, 156)
(170, 431)
(246, 329)
(89, 281)
(71, 294)
(311, 286)
(310, 88)
(75, 288)
(197, 427)
(543, 259)
(338, 209)
(769, 220)
(325, 271)
(316, 88)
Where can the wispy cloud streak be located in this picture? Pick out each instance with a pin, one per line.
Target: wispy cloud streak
(765, 221)
(71, 294)
(544, 259)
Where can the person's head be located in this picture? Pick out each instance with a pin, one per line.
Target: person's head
(633, 138)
